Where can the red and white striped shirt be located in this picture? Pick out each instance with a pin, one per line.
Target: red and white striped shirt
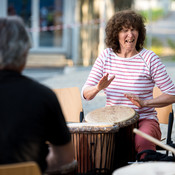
(137, 75)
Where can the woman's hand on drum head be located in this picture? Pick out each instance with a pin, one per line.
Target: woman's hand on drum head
(104, 82)
(134, 99)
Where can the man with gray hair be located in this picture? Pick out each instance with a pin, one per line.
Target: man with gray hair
(30, 114)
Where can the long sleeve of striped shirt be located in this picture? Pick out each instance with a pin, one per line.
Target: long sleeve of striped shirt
(137, 75)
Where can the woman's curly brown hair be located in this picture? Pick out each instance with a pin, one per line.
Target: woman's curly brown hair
(125, 18)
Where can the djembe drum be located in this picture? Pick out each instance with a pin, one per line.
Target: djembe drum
(94, 146)
(126, 118)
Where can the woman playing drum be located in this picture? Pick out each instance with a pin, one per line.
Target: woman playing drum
(127, 73)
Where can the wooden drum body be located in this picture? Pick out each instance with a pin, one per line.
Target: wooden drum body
(94, 146)
(126, 119)
(125, 142)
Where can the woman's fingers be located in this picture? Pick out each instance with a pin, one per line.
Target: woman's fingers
(135, 100)
(104, 82)
(111, 79)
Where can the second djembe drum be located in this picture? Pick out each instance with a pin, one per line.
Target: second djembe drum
(94, 146)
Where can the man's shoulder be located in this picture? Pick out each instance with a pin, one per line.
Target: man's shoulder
(37, 88)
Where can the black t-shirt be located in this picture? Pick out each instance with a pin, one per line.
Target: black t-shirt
(30, 115)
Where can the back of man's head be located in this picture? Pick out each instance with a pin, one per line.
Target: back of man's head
(14, 43)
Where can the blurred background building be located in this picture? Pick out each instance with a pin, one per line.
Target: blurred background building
(72, 31)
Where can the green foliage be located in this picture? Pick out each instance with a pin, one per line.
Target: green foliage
(155, 14)
(157, 50)
(172, 45)
(157, 45)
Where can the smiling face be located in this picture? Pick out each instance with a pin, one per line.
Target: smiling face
(128, 39)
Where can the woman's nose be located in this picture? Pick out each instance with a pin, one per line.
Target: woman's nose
(130, 33)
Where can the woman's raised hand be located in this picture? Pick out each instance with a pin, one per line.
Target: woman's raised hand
(104, 82)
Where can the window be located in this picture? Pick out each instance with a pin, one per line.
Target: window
(44, 18)
(21, 8)
(51, 23)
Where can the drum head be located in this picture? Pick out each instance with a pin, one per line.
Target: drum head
(110, 114)
(92, 127)
(151, 168)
